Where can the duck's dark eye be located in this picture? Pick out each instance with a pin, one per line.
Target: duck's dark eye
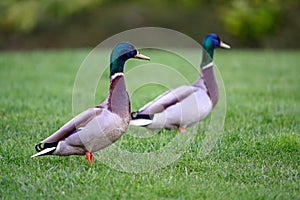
(132, 53)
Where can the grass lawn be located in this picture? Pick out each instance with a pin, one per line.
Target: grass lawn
(257, 155)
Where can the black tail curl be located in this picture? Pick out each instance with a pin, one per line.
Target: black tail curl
(136, 115)
(41, 146)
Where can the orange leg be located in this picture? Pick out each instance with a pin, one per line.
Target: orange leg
(89, 157)
(180, 129)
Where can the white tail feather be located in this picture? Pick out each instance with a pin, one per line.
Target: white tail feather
(43, 152)
(140, 122)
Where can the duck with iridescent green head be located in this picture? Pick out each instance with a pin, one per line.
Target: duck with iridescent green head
(100, 126)
(185, 105)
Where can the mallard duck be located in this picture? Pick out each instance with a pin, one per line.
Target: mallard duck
(100, 126)
(185, 105)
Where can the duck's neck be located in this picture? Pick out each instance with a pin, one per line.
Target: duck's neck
(207, 57)
(116, 66)
(208, 77)
(118, 100)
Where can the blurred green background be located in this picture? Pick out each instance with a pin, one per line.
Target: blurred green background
(32, 24)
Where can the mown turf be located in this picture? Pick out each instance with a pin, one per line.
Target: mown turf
(257, 155)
